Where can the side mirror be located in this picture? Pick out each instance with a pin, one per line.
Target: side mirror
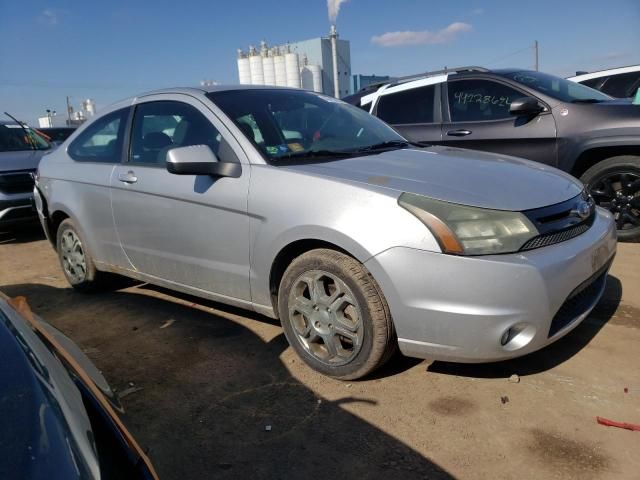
(525, 106)
(199, 160)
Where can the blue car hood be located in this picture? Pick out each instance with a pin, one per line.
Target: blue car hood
(21, 160)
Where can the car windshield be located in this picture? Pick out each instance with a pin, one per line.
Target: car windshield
(558, 88)
(14, 137)
(291, 125)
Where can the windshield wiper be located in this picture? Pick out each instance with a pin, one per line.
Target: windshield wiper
(29, 138)
(314, 154)
(586, 100)
(396, 144)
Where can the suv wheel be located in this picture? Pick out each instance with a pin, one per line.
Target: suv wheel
(615, 185)
(334, 315)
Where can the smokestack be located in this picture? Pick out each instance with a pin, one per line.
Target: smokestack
(333, 35)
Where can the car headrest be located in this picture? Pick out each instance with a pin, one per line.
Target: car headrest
(156, 140)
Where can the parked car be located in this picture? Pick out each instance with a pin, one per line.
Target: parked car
(621, 82)
(304, 208)
(528, 114)
(20, 152)
(59, 417)
(57, 135)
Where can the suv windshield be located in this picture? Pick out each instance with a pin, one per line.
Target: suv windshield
(14, 137)
(289, 124)
(557, 87)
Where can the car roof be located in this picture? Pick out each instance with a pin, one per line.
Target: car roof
(212, 88)
(601, 73)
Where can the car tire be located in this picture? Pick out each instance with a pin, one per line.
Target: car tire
(334, 315)
(76, 262)
(614, 184)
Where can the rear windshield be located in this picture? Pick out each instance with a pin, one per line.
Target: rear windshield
(14, 138)
(558, 88)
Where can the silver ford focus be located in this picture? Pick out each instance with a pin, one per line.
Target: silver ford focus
(306, 209)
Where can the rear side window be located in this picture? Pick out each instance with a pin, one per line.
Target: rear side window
(102, 140)
(410, 106)
(479, 100)
(594, 82)
(622, 86)
(160, 126)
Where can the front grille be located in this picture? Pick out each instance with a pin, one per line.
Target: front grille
(560, 222)
(580, 300)
(552, 238)
(16, 182)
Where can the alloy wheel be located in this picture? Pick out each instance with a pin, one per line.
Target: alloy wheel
(326, 317)
(619, 192)
(73, 258)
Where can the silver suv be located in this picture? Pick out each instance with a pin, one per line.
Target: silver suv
(306, 209)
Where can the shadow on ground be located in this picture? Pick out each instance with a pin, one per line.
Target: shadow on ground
(216, 400)
(548, 357)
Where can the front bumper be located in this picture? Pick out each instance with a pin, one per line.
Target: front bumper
(462, 309)
(16, 208)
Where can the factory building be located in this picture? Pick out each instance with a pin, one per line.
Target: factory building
(358, 82)
(318, 64)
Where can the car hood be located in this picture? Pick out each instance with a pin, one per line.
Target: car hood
(456, 175)
(20, 160)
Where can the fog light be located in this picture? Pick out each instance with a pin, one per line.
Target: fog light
(517, 336)
(506, 336)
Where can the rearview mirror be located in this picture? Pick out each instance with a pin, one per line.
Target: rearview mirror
(199, 160)
(525, 106)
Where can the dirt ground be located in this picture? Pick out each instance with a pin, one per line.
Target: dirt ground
(222, 396)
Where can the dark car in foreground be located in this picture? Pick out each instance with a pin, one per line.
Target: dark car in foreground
(20, 152)
(526, 114)
(58, 415)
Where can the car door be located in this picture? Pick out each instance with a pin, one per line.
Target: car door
(476, 116)
(93, 155)
(190, 230)
(413, 112)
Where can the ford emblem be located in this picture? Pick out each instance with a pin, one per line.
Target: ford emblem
(583, 209)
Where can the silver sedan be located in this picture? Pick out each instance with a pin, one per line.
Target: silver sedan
(309, 210)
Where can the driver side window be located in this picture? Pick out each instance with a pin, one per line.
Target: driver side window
(480, 100)
(160, 126)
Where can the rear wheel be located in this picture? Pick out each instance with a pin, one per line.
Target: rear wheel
(334, 315)
(76, 262)
(614, 184)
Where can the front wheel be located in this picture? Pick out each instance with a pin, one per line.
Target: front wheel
(614, 184)
(334, 315)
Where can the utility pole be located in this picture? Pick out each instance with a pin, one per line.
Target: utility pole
(68, 112)
(535, 46)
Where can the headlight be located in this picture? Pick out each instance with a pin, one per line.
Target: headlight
(466, 230)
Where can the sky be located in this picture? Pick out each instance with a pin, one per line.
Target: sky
(109, 50)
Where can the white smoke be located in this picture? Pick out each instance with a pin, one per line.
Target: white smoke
(333, 6)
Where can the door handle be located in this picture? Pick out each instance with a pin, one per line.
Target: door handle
(128, 177)
(459, 133)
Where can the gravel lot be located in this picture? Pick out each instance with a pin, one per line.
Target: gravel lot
(222, 396)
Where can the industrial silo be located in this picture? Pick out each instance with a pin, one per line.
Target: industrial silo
(268, 66)
(244, 70)
(316, 73)
(280, 69)
(255, 64)
(292, 64)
